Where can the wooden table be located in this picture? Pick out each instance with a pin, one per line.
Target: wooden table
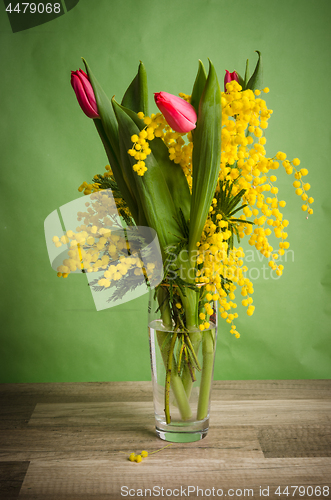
(66, 441)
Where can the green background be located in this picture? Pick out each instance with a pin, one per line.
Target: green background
(50, 330)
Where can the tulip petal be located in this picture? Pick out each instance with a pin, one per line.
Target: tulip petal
(229, 77)
(176, 120)
(84, 94)
(180, 114)
(88, 91)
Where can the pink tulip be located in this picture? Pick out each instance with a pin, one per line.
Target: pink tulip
(229, 77)
(84, 92)
(180, 114)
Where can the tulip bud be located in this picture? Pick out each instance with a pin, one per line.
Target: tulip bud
(180, 114)
(84, 92)
(229, 77)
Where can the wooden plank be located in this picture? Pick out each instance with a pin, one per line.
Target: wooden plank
(296, 440)
(270, 412)
(11, 478)
(271, 389)
(46, 444)
(142, 391)
(15, 415)
(125, 414)
(76, 392)
(129, 414)
(103, 479)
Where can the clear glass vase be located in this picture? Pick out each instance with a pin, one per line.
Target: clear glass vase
(182, 363)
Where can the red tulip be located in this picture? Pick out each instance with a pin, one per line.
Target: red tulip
(84, 92)
(180, 114)
(229, 77)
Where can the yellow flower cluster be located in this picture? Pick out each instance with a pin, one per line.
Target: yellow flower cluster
(100, 244)
(88, 188)
(301, 187)
(140, 149)
(144, 454)
(138, 458)
(84, 249)
(180, 152)
(156, 126)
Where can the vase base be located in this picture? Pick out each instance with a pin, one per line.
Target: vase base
(181, 437)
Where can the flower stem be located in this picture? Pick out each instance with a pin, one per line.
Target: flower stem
(208, 348)
(195, 339)
(164, 307)
(168, 378)
(176, 383)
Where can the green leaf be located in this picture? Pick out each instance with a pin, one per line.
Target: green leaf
(106, 112)
(108, 131)
(199, 85)
(241, 80)
(153, 191)
(246, 75)
(256, 80)
(234, 200)
(242, 221)
(174, 177)
(206, 156)
(136, 96)
(237, 210)
(117, 171)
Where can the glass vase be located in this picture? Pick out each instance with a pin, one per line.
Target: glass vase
(182, 362)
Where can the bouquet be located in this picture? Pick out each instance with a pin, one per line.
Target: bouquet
(198, 174)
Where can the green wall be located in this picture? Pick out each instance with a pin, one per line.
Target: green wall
(50, 330)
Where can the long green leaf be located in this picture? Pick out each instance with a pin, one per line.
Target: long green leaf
(256, 80)
(246, 75)
(243, 81)
(153, 190)
(117, 171)
(136, 96)
(174, 177)
(199, 85)
(108, 130)
(206, 156)
(106, 111)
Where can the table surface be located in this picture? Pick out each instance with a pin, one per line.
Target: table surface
(72, 441)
